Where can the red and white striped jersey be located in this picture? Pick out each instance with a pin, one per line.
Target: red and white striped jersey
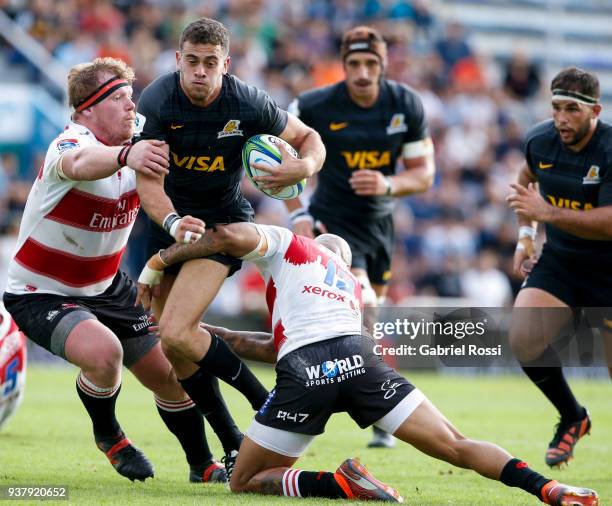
(311, 293)
(12, 366)
(73, 233)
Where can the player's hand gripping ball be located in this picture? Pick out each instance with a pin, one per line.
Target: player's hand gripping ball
(263, 149)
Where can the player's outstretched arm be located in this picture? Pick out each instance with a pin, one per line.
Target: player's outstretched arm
(257, 346)
(91, 163)
(235, 239)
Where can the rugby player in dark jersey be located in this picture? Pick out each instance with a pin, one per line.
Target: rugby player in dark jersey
(367, 123)
(570, 158)
(205, 116)
(324, 366)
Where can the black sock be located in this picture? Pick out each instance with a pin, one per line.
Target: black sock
(221, 361)
(100, 404)
(185, 421)
(297, 483)
(551, 381)
(203, 388)
(517, 473)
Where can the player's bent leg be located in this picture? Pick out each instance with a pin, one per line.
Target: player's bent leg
(158, 303)
(259, 470)
(429, 431)
(97, 351)
(265, 461)
(537, 319)
(180, 415)
(182, 334)
(195, 287)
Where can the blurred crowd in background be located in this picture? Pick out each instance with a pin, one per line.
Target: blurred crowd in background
(456, 240)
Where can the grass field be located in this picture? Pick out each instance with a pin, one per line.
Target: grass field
(49, 442)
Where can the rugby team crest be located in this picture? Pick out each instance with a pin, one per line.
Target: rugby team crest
(230, 128)
(592, 176)
(397, 124)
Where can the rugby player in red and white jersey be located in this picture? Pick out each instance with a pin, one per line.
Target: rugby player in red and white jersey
(65, 289)
(324, 365)
(12, 366)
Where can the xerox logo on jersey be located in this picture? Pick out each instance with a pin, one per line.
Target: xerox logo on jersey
(199, 163)
(334, 371)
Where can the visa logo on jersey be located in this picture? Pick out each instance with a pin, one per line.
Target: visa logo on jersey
(576, 205)
(358, 160)
(200, 163)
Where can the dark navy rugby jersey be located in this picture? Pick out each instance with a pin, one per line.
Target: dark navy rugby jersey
(359, 138)
(206, 142)
(571, 180)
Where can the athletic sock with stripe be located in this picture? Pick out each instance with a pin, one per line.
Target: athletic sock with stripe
(185, 421)
(100, 404)
(298, 483)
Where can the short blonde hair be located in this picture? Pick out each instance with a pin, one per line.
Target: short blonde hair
(84, 78)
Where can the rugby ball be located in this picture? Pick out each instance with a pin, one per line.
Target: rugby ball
(263, 149)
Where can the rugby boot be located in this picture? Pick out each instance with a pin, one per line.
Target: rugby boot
(561, 448)
(127, 460)
(381, 439)
(558, 494)
(229, 461)
(357, 483)
(210, 471)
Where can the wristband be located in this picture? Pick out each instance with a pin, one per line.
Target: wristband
(527, 231)
(150, 277)
(122, 156)
(388, 186)
(299, 215)
(171, 222)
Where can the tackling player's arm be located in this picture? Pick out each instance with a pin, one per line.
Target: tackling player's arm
(292, 170)
(240, 240)
(257, 346)
(90, 163)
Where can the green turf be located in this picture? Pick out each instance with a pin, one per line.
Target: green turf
(49, 442)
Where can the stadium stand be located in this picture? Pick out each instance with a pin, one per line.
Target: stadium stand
(480, 66)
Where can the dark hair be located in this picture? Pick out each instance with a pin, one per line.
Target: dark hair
(578, 80)
(366, 39)
(206, 31)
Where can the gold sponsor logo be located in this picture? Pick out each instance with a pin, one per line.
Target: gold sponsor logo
(174, 127)
(367, 159)
(545, 166)
(200, 163)
(576, 205)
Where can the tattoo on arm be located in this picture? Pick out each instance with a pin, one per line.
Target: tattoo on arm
(206, 246)
(257, 346)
